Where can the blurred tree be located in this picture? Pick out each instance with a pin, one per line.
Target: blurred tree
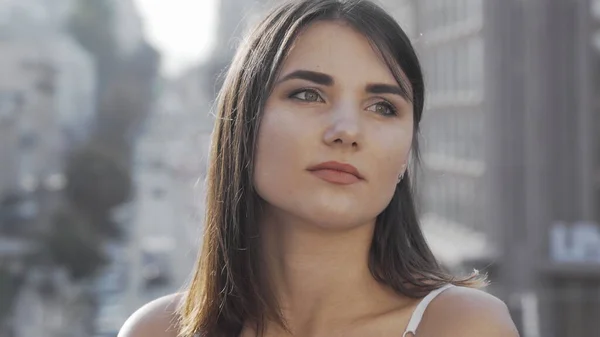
(98, 180)
(128, 98)
(123, 109)
(74, 244)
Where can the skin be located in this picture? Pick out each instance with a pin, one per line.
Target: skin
(317, 234)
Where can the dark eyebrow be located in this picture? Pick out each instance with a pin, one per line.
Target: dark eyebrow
(388, 89)
(312, 76)
(327, 80)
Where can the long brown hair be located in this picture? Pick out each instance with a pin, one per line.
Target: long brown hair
(228, 288)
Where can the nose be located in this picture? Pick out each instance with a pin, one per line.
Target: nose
(344, 127)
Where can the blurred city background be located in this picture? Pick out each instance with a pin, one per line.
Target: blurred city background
(105, 124)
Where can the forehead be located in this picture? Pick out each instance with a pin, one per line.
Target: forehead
(337, 49)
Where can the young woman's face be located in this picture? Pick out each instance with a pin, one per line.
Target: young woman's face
(335, 133)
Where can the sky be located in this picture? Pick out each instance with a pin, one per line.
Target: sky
(183, 30)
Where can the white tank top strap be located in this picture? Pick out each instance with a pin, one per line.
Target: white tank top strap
(417, 315)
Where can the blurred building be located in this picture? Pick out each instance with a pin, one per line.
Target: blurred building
(193, 96)
(545, 161)
(231, 22)
(41, 62)
(27, 14)
(511, 150)
(47, 98)
(128, 27)
(46, 105)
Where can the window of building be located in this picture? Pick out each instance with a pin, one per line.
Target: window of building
(428, 69)
(443, 146)
(475, 59)
(4, 14)
(456, 69)
(451, 11)
(455, 133)
(460, 134)
(434, 14)
(478, 140)
(453, 198)
(438, 15)
(446, 69)
(462, 69)
(450, 71)
(460, 9)
(405, 15)
(466, 202)
(474, 9)
(471, 134)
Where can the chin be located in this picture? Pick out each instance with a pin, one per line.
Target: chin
(332, 216)
(325, 209)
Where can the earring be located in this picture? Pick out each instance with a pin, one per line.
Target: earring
(401, 176)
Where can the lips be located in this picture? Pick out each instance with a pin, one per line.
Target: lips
(336, 173)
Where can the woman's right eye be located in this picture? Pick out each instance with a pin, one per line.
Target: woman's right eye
(307, 95)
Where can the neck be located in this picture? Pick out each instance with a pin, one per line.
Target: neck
(320, 275)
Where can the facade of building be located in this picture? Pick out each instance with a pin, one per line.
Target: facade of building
(40, 62)
(555, 219)
(450, 45)
(25, 14)
(232, 20)
(128, 27)
(511, 142)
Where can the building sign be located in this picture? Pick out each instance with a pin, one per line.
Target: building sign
(575, 243)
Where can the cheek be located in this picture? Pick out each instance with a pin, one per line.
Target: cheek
(393, 148)
(278, 137)
(397, 157)
(389, 170)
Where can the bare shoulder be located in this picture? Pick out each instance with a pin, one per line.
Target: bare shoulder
(467, 312)
(155, 319)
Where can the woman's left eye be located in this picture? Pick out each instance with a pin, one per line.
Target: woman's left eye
(383, 108)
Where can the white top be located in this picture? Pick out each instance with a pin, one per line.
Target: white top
(417, 315)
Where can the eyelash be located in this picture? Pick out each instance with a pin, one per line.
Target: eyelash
(305, 90)
(392, 109)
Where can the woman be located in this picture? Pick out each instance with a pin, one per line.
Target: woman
(311, 228)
